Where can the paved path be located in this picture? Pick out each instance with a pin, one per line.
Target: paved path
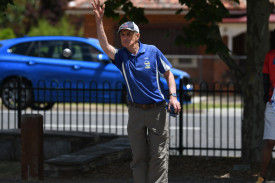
(171, 180)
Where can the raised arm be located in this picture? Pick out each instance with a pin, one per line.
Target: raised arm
(99, 13)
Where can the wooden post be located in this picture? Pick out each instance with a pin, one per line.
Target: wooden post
(32, 167)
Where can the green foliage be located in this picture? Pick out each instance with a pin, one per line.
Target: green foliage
(203, 29)
(3, 6)
(130, 12)
(64, 28)
(6, 33)
(27, 13)
(52, 10)
(20, 17)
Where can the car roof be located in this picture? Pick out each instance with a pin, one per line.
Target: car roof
(10, 42)
(180, 73)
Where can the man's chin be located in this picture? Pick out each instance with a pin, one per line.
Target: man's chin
(125, 44)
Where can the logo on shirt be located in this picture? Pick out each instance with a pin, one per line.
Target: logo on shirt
(147, 64)
(274, 61)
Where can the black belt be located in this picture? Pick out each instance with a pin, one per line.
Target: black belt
(146, 106)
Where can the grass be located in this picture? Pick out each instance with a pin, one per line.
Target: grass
(10, 169)
(204, 105)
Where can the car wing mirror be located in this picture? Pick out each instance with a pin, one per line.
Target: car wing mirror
(104, 58)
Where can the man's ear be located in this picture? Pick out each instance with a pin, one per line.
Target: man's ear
(138, 35)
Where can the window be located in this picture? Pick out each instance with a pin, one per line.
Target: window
(54, 49)
(21, 48)
(183, 61)
(51, 49)
(83, 51)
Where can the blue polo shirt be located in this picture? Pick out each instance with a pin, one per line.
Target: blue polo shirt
(142, 73)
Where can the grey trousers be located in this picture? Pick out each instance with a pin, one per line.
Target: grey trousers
(148, 134)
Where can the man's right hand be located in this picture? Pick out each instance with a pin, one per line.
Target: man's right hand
(98, 10)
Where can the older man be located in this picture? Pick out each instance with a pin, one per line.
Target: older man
(141, 65)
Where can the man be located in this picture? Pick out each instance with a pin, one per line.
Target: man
(147, 127)
(269, 99)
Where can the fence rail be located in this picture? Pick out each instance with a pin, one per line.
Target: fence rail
(209, 125)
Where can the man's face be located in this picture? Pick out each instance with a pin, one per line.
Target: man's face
(128, 38)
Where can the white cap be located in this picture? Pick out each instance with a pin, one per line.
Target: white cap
(129, 26)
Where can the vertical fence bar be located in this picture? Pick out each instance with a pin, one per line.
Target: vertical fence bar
(181, 118)
(227, 120)
(214, 118)
(207, 120)
(19, 105)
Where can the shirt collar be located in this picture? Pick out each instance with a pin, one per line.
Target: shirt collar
(140, 51)
(141, 48)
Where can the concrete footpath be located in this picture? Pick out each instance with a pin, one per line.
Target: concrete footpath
(106, 180)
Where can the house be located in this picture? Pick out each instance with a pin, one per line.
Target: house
(163, 27)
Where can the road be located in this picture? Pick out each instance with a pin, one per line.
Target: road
(212, 128)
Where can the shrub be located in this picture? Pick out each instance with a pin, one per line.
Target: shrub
(44, 28)
(6, 33)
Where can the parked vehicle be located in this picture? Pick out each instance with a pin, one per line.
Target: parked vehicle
(51, 69)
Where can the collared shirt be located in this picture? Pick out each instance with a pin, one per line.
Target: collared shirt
(141, 73)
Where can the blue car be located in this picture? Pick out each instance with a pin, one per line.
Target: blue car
(50, 69)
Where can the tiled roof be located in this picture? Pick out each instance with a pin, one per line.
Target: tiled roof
(159, 4)
(156, 4)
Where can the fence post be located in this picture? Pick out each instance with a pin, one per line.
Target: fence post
(32, 167)
(19, 105)
(181, 118)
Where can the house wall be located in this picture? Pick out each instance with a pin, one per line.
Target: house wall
(209, 70)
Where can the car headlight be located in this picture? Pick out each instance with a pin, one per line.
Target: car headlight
(189, 86)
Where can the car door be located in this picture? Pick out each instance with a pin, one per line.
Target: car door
(81, 70)
(102, 78)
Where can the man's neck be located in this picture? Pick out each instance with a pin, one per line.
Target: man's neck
(134, 49)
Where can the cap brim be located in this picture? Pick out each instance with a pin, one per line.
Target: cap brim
(126, 29)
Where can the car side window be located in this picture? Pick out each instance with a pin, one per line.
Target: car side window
(84, 52)
(51, 49)
(34, 49)
(21, 49)
(54, 49)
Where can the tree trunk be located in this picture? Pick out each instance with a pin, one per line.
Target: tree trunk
(258, 12)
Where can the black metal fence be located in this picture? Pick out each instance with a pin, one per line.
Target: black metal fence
(209, 124)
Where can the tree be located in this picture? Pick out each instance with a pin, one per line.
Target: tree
(3, 6)
(30, 17)
(19, 17)
(206, 15)
(258, 13)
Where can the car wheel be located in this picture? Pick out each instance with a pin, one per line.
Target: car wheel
(42, 105)
(9, 93)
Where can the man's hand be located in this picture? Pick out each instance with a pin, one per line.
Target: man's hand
(98, 10)
(174, 101)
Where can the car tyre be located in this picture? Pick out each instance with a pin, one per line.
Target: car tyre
(9, 93)
(42, 105)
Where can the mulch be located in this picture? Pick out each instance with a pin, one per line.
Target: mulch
(192, 166)
(195, 168)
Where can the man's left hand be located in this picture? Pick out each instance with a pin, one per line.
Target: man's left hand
(173, 101)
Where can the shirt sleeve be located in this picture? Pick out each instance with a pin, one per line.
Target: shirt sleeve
(163, 64)
(114, 61)
(117, 61)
